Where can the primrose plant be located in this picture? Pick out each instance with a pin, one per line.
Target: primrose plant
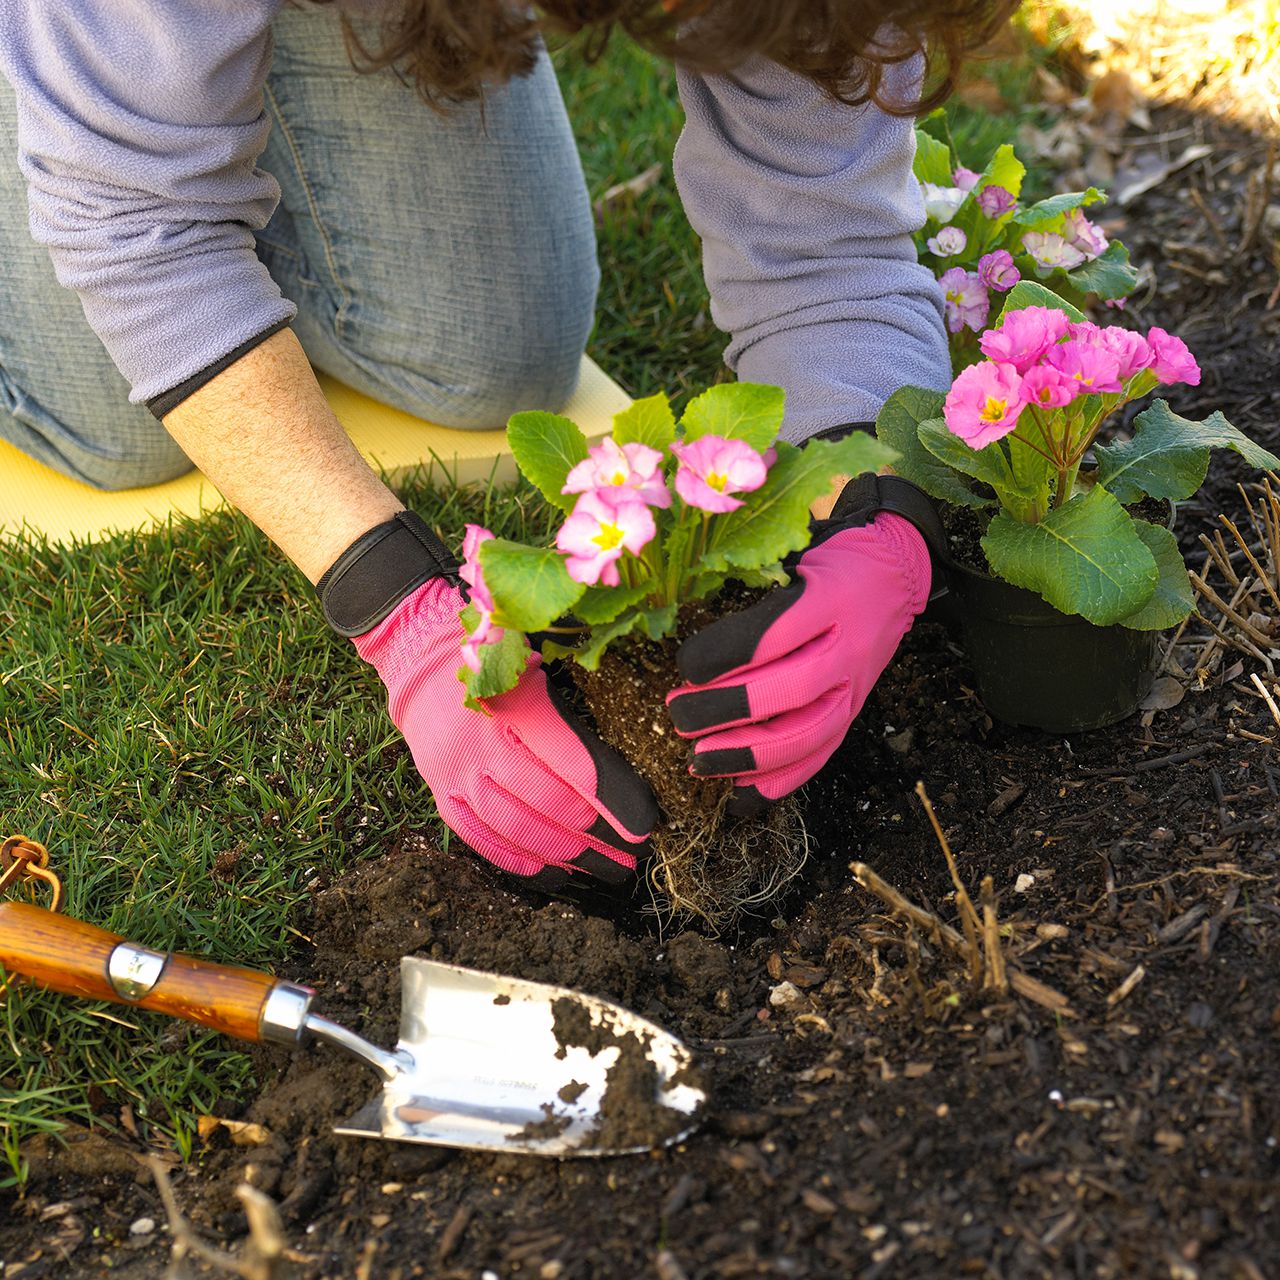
(656, 515)
(1017, 435)
(979, 241)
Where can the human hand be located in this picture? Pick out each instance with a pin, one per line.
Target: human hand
(771, 691)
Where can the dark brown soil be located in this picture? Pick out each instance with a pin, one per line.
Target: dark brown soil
(873, 1114)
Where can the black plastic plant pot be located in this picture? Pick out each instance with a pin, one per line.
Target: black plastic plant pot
(1044, 669)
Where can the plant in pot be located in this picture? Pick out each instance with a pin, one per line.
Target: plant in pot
(666, 526)
(1062, 562)
(979, 240)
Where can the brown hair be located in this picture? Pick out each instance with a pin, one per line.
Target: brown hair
(451, 48)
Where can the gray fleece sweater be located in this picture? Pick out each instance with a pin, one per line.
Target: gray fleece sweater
(141, 122)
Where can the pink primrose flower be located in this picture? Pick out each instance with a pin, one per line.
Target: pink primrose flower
(713, 467)
(472, 574)
(994, 201)
(947, 243)
(1084, 235)
(984, 403)
(996, 271)
(1171, 361)
(1094, 368)
(965, 179)
(1132, 351)
(603, 524)
(941, 202)
(966, 299)
(1048, 250)
(1116, 304)
(1048, 388)
(1024, 336)
(635, 467)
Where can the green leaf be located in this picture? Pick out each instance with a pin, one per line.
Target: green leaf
(1004, 169)
(987, 465)
(546, 448)
(1173, 599)
(747, 411)
(1026, 293)
(932, 161)
(648, 421)
(530, 586)
(501, 664)
(1168, 456)
(1084, 557)
(775, 520)
(898, 425)
(1109, 276)
(654, 623)
(1044, 211)
(604, 604)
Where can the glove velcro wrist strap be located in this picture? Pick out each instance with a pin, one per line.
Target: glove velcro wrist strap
(378, 570)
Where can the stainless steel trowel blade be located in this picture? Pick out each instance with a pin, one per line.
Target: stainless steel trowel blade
(488, 1073)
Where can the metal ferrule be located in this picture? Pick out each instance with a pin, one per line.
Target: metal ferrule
(133, 971)
(284, 1014)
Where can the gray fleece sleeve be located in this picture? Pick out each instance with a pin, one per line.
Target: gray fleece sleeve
(140, 123)
(806, 208)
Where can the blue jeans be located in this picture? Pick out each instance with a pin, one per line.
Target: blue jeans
(442, 264)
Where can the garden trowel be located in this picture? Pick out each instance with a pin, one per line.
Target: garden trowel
(484, 1061)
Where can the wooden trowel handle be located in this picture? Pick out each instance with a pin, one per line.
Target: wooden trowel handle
(79, 959)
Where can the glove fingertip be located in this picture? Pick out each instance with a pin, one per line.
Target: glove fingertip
(747, 802)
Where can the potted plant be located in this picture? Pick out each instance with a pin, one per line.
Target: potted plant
(1061, 559)
(980, 241)
(664, 526)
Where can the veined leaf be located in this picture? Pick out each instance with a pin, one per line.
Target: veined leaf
(1084, 557)
(932, 160)
(987, 465)
(777, 520)
(648, 421)
(1026, 293)
(531, 587)
(749, 411)
(898, 425)
(1044, 211)
(501, 664)
(1168, 456)
(546, 447)
(1109, 276)
(1173, 599)
(654, 623)
(603, 604)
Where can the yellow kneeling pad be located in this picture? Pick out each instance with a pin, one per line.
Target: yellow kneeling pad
(63, 510)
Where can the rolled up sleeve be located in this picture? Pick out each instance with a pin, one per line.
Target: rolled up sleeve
(806, 209)
(139, 130)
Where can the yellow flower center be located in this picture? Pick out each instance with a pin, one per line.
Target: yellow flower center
(618, 477)
(608, 537)
(993, 410)
(717, 482)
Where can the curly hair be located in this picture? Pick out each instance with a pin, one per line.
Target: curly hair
(450, 49)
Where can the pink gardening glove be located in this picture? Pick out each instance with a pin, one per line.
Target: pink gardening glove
(527, 786)
(773, 690)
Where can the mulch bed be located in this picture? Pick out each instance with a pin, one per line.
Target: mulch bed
(875, 1112)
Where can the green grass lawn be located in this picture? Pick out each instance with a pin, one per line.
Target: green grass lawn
(196, 748)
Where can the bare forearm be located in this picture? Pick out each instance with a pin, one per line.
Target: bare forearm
(264, 434)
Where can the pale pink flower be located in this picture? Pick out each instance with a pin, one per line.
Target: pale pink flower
(994, 201)
(603, 524)
(947, 243)
(983, 403)
(1024, 336)
(634, 466)
(1094, 368)
(996, 271)
(965, 179)
(941, 202)
(1084, 235)
(965, 298)
(1116, 304)
(1048, 249)
(478, 594)
(1048, 388)
(713, 467)
(1171, 361)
